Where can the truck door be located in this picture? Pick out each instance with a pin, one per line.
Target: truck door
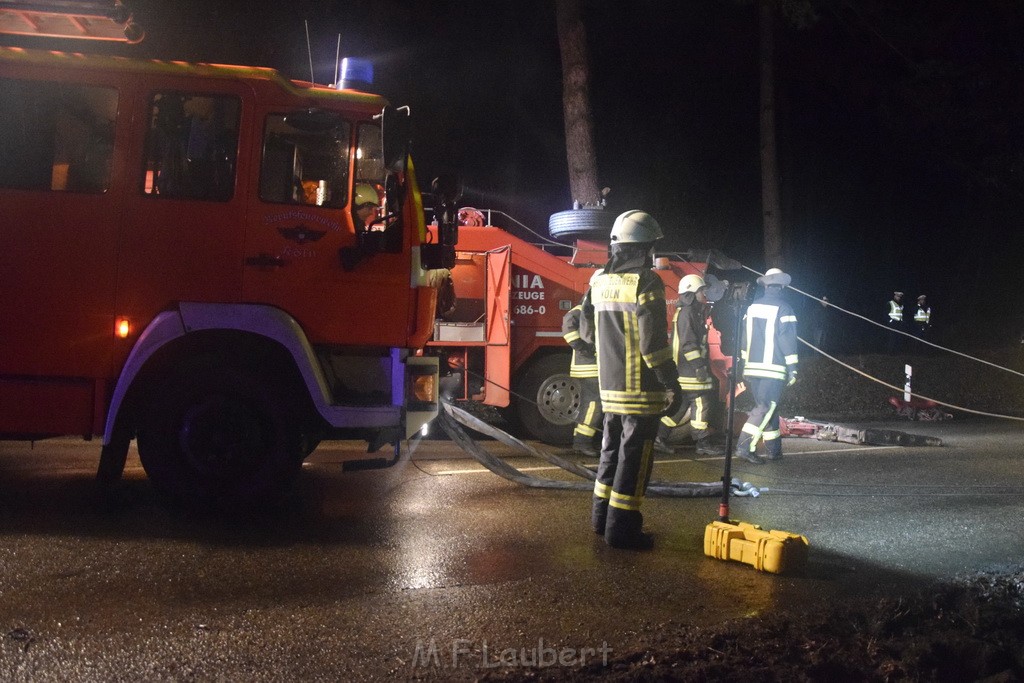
(299, 221)
(184, 228)
(497, 356)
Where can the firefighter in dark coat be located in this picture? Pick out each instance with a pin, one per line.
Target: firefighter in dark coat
(690, 352)
(768, 358)
(586, 437)
(636, 375)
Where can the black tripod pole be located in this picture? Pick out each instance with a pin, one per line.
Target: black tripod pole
(723, 507)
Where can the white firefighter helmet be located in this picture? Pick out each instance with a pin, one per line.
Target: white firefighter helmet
(774, 276)
(691, 283)
(635, 227)
(365, 194)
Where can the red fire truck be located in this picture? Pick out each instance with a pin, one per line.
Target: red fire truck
(504, 337)
(181, 262)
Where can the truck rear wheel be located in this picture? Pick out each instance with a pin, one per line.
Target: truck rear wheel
(215, 434)
(549, 400)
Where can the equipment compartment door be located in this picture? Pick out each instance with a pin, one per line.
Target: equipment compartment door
(497, 361)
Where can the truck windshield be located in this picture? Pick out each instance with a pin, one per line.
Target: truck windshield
(305, 160)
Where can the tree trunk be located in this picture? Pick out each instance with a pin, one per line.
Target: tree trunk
(579, 128)
(770, 208)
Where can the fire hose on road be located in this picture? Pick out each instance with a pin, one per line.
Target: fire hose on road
(453, 418)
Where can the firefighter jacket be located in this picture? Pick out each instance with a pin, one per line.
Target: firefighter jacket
(584, 358)
(768, 338)
(634, 361)
(690, 343)
(895, 312)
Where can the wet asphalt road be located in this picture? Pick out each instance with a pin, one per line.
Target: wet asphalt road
(434, 569)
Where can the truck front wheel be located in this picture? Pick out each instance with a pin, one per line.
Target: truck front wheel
(222, 433)
(548, 400)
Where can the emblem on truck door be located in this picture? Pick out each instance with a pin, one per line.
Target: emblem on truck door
(301, 234)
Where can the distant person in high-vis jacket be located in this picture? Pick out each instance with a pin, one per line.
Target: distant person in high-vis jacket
(636, 375)
(922, 317)
(586, 437)
(768, 363)
(894, 319)
(690, 352)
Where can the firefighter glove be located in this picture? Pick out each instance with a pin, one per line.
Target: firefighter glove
(701, 372)
(667, 375)
(677, 401)
(790, 377)
(580, 346)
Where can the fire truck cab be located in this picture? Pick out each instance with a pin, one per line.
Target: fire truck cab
(183, 263)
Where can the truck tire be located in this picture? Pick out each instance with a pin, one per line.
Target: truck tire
(577, 224)
(220, 434)
(548, 400)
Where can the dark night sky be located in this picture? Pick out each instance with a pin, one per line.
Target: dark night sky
(899, 124)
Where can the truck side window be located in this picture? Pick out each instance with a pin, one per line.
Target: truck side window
(56, 136)
(370, 172)
(370, 155)
(305, 159)
(191, 146)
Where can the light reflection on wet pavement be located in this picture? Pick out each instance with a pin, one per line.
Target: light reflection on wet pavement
(356, 575)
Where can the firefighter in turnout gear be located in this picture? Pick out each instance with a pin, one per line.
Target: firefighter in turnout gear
(768, 362)
(586, 437)
(690, 352)
(636, 375)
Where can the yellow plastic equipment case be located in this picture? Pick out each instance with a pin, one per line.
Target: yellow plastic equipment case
(775, 552)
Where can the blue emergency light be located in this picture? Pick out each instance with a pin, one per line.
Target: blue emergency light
(356, 74)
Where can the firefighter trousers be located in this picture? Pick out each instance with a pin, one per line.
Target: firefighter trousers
(763, 420)
(590, 421)
(622, 475)
(699, 404)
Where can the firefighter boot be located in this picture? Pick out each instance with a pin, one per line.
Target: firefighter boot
(743, 450)
(773, 449)
(624, 530)
(599, 515)
(705, 447)
(584, 445)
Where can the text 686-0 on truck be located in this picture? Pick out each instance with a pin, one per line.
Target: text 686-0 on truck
(503, 340)
(218, 261)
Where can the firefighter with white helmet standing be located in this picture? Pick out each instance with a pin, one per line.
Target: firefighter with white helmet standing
(690, 352)
(636, 375)
(768, 363)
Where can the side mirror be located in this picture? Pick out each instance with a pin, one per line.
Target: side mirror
(396, 134)
(447, 190)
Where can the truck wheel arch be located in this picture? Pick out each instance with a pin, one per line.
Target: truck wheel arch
(195, 327)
